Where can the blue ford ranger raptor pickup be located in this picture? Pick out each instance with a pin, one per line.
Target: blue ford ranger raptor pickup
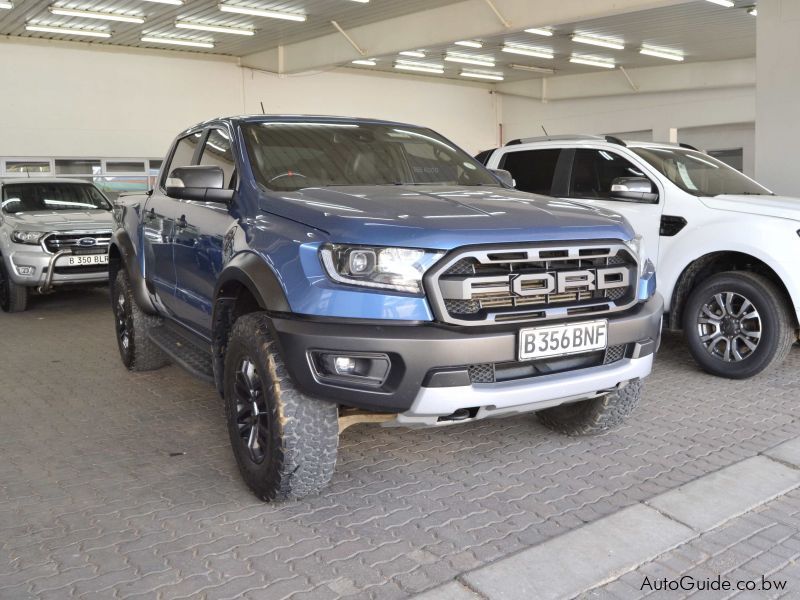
(323, 271)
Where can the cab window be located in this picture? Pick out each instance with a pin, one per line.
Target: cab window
(183, 154)
(217, 153)
(533, 170)
(593, 172)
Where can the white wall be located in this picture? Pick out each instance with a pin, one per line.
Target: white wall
(60, 99)
(778, 90)
(725, 137)
(523, 117)
(69, 99)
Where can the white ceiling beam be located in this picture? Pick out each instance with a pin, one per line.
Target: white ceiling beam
(666, 78)
(463, 20)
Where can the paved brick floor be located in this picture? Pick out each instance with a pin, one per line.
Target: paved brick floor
(115, 485)
(761, 547)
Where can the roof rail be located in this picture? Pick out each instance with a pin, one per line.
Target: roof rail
(553, 138)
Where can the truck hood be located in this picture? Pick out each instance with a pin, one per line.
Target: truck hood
(442, 217)
(783, 207)
(50, 220)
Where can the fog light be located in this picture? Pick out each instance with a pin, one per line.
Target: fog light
(25, 270)
(345, 365)
(358, 368)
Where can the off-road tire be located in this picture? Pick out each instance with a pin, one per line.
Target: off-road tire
(13, 297)
(778, 327)
(137, 351)
(297, 435)
(595, 416)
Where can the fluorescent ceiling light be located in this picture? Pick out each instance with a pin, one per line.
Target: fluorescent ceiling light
(533, 69)
(528, 51)
(367, 62)
(661, 53)
(94, 14)
(482, 75)
(260, 12)
(214, 28)
(725, 3)
(594, 40)
(361, 1)
(173, 2)
(68, 31)
(7, 5)
(753, 11)
(405, 65)
(415, 63)
(413, 53)
(481, 61)
(177, 42)
(540, 31)
(592, 61)
(468, 44)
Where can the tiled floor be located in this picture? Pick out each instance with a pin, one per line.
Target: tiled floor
(114, 485)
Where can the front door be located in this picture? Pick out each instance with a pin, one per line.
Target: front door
(159, 227)
(199, 234)
(592, 172)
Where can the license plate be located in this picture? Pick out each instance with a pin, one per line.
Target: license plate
(83, 260)
(560, 340)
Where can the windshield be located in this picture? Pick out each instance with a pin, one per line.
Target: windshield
(27, 197)
(698, 173)
(292, 156)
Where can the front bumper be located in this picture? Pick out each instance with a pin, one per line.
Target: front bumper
(43, 264)
(429, 363)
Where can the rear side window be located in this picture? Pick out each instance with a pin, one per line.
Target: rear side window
(593, 171)
(183, 154)
(217, 153)
(533, 170)
(483, 157)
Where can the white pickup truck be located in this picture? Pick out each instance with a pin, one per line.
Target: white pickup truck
(724, 246)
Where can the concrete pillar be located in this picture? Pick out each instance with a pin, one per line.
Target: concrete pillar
(665, 134)
(777, 94)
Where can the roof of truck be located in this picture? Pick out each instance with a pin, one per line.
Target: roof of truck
(22, 178)
(301, 119)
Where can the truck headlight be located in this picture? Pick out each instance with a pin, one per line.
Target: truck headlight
(27, 237)
(398, 269)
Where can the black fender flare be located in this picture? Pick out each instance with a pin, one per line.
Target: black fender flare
(122, 244)
(251, 271)
(254, 274)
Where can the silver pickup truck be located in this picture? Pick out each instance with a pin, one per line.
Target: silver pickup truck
(53, 232)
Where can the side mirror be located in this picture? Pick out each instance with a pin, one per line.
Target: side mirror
(201, 182)
(633, 189)
(505, 177)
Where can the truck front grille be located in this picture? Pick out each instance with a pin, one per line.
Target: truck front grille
(515, 284)
(79, 242)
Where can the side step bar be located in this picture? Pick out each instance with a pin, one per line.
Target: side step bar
(190, 354)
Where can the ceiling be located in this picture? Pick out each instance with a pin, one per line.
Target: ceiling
(160, 20)
(702, 31)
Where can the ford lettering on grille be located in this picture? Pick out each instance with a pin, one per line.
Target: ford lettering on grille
(537, 283)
